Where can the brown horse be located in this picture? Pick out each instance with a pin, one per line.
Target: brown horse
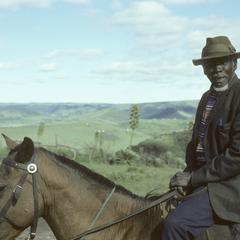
(69, 196)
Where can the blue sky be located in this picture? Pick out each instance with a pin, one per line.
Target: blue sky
(119, 51)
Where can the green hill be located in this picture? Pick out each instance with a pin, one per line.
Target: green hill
(75, 124)
(157, 140)
(31, 113)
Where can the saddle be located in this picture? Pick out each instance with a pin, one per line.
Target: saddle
(222, 230)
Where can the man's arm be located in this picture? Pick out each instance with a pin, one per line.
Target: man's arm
(180, 179)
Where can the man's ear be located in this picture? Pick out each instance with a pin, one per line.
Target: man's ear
(11, 144)
(235, 64)
(25, 150)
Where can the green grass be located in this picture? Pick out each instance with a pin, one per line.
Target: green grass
(76, 127)
(138, 179)
(80, 134)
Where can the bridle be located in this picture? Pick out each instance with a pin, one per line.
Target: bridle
(29, 167)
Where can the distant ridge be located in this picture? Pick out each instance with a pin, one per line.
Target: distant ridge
(31, 113)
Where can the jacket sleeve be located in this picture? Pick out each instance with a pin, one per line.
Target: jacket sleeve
(189, 157)
(222, 166)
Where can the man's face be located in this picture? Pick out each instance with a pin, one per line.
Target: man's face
(219, 71)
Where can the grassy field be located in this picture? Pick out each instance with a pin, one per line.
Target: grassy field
(80, 134)
(77, 129)
(138, 179)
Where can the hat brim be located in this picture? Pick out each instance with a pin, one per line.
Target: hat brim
(200, 61)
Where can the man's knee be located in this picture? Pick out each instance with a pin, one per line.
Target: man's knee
(173, 223)
(173, 229)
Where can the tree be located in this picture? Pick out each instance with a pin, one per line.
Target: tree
(41, 129)
(133, 120)
(98, 145)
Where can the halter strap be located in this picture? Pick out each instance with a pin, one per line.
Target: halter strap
(33, 229)
(14, 196)
(30, 168)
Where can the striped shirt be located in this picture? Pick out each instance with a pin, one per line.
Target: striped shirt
(200, 150)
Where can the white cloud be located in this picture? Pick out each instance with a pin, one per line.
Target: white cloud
(180, 2)
(207, 27)
(16, 4)
(82, 53)
(77, 1)
(150, 17)
(48, 67)
(117, 4)
(158, 71)
(160, 30)
(91, 53)
(168, 41)
(59, 53)
(153, 18)
(8, 65)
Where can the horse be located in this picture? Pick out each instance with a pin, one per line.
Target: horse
(68, 196)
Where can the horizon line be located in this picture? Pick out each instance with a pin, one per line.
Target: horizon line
(113, 103)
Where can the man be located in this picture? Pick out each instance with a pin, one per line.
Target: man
(213, 154)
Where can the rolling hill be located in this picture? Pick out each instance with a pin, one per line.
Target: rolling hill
(24, 114)
(75, 124)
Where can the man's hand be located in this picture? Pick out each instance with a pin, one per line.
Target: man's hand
(180, 179)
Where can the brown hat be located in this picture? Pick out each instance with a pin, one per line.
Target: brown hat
(215, 48)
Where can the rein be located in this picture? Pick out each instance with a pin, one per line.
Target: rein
(28, 168)
(165, 197)
(31, 168)
(171, 194)
(100, 211)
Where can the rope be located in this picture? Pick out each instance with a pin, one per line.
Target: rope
(100, 210)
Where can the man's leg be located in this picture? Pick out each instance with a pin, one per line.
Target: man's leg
(190, 218)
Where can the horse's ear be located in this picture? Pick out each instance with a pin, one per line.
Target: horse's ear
(25, 150)
(11, 144)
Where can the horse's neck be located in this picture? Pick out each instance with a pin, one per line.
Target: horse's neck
(74, 209)
(71, 201)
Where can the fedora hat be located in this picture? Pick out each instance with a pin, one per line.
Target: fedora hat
(217, 47)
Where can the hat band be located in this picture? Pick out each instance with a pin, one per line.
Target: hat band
(211, 54)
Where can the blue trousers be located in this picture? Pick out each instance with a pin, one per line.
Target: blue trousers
(190, 218)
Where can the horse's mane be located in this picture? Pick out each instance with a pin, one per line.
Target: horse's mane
(79, 168)
(149, 216)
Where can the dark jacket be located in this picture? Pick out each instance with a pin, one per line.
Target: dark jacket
(221, 173)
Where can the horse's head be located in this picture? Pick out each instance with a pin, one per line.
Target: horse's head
(17, 206)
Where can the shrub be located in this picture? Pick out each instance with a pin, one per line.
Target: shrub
(153, 147)
(126, 156)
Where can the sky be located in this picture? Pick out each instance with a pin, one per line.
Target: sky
(109, 51)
